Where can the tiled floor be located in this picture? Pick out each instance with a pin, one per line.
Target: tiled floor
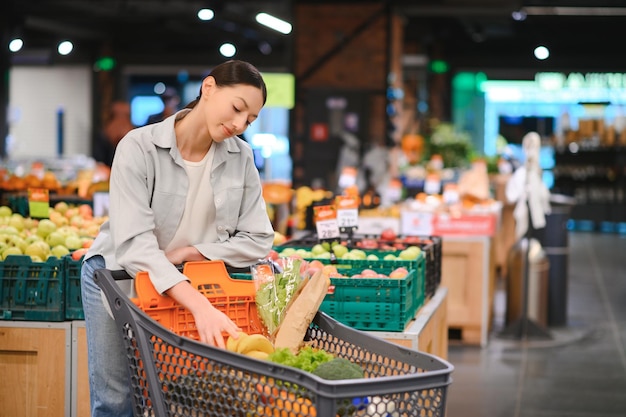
(580, 371)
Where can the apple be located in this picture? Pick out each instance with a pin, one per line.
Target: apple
(279, 238)
(11, 250)
(60, 251)
(5, 211)
(388, 234)
(73, 242)
(17, 220)
(55, 238)
(369, 273)
(45, 227)
(78, 254)
(399, 273)
(36, 250)
(61, 207)
(318, 249)
(273, 255)
(339, 250)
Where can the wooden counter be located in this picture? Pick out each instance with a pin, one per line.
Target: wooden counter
(468, 271)
(35, 368)
(429, 331)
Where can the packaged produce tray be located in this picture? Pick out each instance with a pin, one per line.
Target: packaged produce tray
(413, 263)
(208, 381)
(430, 245)
(32, 290)
(375, 304)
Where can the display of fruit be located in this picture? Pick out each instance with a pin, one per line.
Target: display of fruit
(69, 230)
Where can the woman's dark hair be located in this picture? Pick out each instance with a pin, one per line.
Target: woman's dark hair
(235, 72)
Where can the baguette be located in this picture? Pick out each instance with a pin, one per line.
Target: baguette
(301, 312)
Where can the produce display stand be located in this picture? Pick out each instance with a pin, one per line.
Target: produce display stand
(172, 375)
(428, 332)
(35, 358)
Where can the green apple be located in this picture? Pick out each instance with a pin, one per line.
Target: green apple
(45, 227)
(9, 230)
(5, 211)
(318, 249)
(287, 252)
(409, 254)
(11, 250)
(56, 238)
(390, 257)
(339, 250)
(60, 251)
(372, 257)
(73, 242)
(17, 220)
(358, 254)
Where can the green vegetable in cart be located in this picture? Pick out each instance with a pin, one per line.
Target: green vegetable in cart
(339, 368)
(307, 359)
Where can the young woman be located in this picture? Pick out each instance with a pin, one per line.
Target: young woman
(183, 189)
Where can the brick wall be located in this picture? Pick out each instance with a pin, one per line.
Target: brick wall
(343, 48)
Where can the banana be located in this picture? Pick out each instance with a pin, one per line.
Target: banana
(255, 342)
(257, 354)
(232, 343)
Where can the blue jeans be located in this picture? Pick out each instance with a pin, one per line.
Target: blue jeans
(109, 380)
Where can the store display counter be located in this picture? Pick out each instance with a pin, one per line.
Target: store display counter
(428, 332)
(468, 271)
(35, 368)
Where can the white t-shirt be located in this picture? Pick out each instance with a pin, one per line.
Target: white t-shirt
(198, 222)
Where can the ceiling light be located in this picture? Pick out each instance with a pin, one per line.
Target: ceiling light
(228, 50)
(16, 44)
(541, 53)
(275, 23)
(519, 15)
(65, 48)
(205, 14)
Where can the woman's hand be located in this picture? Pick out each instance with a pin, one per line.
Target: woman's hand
(210, 322)
(184, 254)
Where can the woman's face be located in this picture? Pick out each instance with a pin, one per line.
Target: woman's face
(230, 110)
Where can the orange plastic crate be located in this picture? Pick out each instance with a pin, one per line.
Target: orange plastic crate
(234, 297)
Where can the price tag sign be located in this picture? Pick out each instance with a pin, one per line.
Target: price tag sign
(347, 212)
(326, 222)
(417, 223)
(39, 203)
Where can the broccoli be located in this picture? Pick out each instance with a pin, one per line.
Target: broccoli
(339, 368)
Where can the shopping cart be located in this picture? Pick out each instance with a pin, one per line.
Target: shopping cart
(173, 375)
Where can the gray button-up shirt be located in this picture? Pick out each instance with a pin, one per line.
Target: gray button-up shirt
(148, 189)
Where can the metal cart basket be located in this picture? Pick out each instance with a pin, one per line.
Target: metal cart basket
(173, 375)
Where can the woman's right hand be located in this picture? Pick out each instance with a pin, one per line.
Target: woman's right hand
(211, 323)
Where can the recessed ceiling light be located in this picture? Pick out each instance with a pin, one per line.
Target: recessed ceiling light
(275, 23)
(205, 14)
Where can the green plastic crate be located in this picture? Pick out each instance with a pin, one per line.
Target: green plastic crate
(32, 290)
(367, 263)
(375, 304)
(73, 297)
